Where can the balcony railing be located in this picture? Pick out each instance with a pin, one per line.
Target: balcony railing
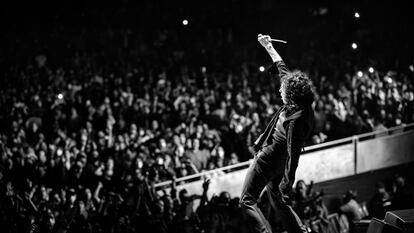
(348, 140)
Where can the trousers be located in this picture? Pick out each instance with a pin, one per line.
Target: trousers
(274, 172)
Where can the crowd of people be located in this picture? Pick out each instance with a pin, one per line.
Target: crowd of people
(91, 118)
(140, 208)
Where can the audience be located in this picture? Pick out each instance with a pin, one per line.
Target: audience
(351, 208)
(380, 203)
(403, 194)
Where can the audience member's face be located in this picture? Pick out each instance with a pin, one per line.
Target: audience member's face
(88, 194)
(42, 157)
(163, 143)
(199, 129)
(221, 152)
(139, 163)
(183, 138)
(9, 189)
(400, 182)
(234, 158)
(95, 154)
(15, 126)
(110, 164)
(133, 129)
(82, 208)
(207, 108)
(196, 144)
(56, 199)
(160, 206)
(72, 198)
(223, 105)
(101, 139)
(44, 193)
(180, 150)
(154, 125)
(383, 114)
(211, 166)
(160, 161)
(189, 143)
(183, 171)
(141, 132)
(176, 139)
(224, 198)
(50, 220)
(89, 127)
(381, 190)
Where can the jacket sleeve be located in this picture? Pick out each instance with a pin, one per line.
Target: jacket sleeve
(279, 68)
(294, 145)
(296, 134)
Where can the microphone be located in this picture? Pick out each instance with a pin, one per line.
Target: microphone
(275, 40)
(280, 41)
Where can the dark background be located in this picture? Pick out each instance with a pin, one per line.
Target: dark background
(383, 31)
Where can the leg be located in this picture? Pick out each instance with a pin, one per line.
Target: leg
(254, 183)
(279, 190)
(290, 219)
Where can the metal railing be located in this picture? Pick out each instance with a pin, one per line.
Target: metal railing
(361, 137)
(352, 139)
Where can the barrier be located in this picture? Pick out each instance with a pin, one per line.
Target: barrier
(326, 164)
(385, 152)
(326, 161)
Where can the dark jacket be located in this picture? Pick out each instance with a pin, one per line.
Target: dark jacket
(298, 124)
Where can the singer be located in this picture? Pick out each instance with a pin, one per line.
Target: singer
(278, 148)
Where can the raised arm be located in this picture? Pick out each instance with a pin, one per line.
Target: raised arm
(278, 67)
(264, 40)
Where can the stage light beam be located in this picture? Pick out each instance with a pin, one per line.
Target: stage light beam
(261, 69)
(354, 46)
(371, 70)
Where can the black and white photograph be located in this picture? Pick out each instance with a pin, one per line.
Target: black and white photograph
(206, 116)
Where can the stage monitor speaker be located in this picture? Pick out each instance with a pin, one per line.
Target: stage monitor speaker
(403, 219)
(380, 226)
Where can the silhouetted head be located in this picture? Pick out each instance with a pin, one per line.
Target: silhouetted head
(349, 195)
(297, 89)
(399, 181)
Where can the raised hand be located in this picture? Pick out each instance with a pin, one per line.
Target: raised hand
(206, 184)
(264, 40)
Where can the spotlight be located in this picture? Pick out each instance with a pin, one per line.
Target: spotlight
(360, 74)
(261, 69)
(185, 22)
(354, 46)
(356, 15)
(371, 70)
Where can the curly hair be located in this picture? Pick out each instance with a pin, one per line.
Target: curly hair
(298, 89)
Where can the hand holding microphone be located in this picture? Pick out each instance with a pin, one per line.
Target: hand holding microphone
(266, 41)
